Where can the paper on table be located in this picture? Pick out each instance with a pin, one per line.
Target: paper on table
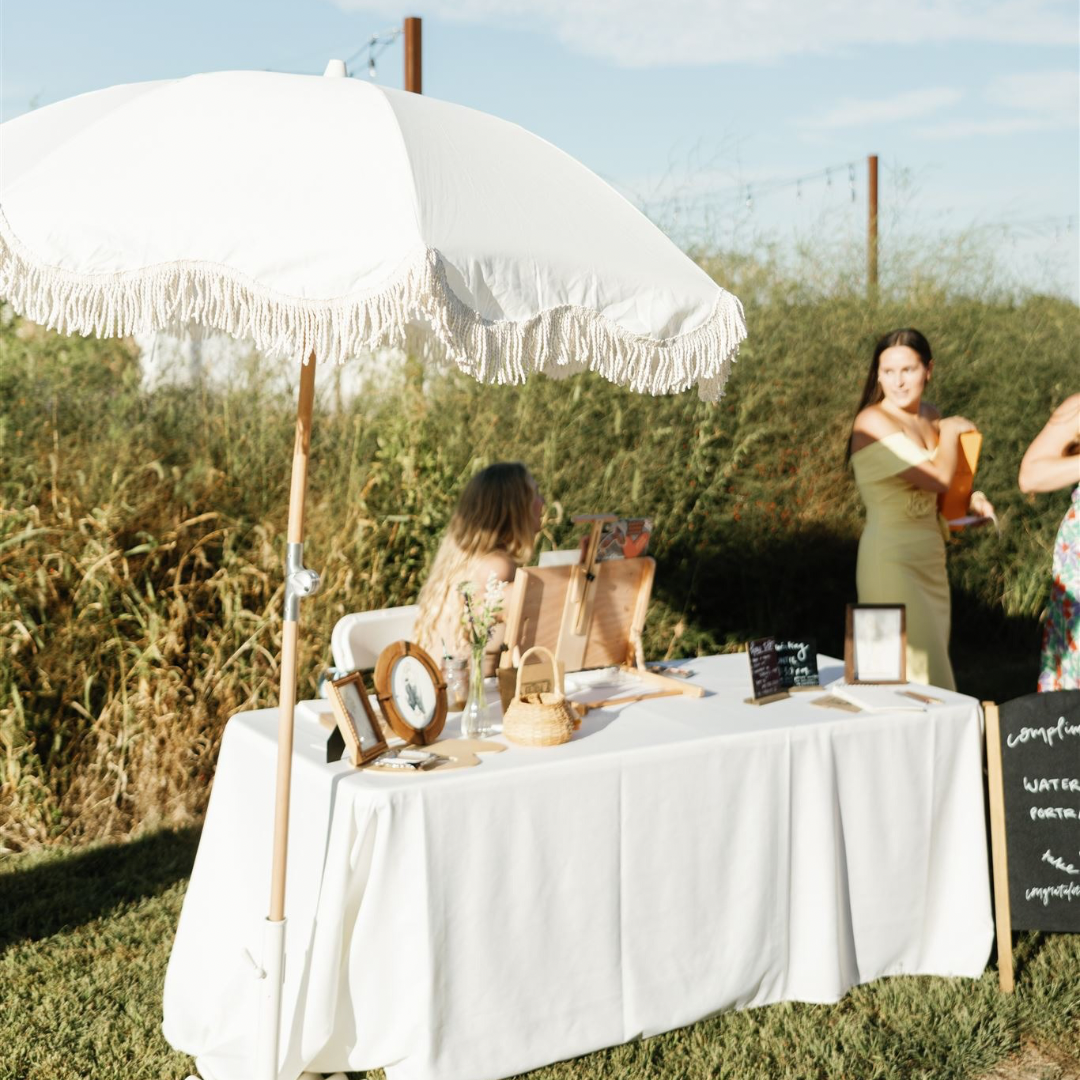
(877, 698)
(831, 701)
(595, 678)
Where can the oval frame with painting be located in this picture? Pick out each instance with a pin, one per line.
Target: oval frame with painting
(411, 692)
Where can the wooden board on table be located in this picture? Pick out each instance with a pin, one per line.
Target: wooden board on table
(619, 600)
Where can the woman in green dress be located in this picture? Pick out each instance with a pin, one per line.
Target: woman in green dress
(904, 455)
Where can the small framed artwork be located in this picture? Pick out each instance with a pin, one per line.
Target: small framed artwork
(411, 692)
(875, 644)
(356, 719)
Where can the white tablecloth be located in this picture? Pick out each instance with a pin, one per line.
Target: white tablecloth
(673, 860)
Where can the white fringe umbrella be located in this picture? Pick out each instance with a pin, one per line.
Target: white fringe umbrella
(319, 218)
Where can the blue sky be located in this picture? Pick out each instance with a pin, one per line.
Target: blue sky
(972, 106)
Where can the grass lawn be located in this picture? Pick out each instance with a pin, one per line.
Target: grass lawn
(85, 938)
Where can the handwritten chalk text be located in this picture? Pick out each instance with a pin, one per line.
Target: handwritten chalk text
(1069, 891)
(1051, 783)
(1048, 734)
(1058, 863)
(793, 648)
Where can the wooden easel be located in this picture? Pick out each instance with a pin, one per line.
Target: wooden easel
(591, 615)
(581, 596)
(998, 848)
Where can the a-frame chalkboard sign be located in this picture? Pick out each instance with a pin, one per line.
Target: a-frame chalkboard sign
(1033, 769)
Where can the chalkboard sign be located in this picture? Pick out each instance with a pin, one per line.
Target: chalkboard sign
(765, 671)
(1033, 759)
(1040, 769)
(798, 662)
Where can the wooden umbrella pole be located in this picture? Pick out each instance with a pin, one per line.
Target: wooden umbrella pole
(290, 635)
(299, 582)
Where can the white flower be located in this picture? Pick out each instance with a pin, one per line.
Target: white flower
(479, 619)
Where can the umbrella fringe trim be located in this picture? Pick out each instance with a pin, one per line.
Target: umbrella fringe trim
(559, 341)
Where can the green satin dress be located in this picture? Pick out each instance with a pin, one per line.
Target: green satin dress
(902, 553)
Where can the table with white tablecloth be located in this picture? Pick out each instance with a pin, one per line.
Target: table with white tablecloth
(678, 857)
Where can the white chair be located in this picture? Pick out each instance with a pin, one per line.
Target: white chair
(358, 639)
(570, 557)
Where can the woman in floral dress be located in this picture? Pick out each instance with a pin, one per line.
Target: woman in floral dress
(1052, 462)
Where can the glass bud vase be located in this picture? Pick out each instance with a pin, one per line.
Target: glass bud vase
(476, 719)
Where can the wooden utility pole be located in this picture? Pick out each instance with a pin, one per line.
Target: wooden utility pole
(412, 55)
(871, 224)
(414, 368)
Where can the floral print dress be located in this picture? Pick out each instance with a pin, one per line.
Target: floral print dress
(1061, 635)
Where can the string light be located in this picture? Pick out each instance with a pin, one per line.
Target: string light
(375, 46)
(715, 205)
(743, 198)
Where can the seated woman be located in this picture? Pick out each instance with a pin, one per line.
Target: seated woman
(492, 531)
(904, 456)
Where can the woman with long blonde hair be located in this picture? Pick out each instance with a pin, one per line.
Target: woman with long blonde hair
(492, 531)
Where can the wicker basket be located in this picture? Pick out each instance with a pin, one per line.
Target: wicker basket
(540, 719)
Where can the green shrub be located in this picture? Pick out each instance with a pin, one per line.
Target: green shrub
(141, 534)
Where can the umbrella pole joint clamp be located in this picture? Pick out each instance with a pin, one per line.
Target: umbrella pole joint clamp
(300, 582)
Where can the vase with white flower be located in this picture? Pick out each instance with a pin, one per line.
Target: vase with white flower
(479, 616)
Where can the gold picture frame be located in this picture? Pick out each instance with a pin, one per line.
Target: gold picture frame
(356, 719)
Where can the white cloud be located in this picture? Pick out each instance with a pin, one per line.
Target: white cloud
(644, 33)
(1026, 102)
(1052, 95)
(964, 129)
(909, 105)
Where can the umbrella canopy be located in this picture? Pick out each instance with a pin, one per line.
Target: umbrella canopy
(325, 215)
(322, 217)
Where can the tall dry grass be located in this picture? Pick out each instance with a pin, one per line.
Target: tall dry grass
(141, 534)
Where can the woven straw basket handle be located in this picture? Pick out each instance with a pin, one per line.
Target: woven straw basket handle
(556, 680)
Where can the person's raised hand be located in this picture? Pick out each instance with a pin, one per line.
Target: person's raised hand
(957, 425)
(981, 506)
